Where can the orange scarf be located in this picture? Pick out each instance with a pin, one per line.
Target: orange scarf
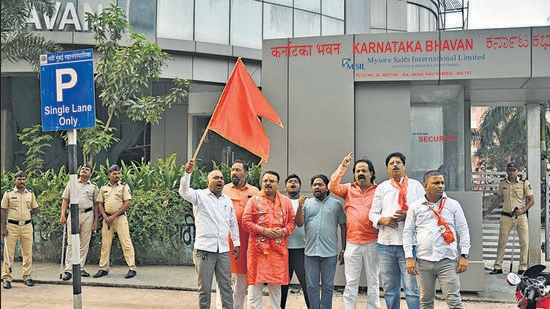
(402, 200)
(447, 234)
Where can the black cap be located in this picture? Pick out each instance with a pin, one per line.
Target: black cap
(20, 174)
(114, 168)
(88, 166)
(511, 165)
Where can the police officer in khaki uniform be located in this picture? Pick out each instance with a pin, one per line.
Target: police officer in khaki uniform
(113, 200)
(86, 196)
(18, 204)
(513, 191)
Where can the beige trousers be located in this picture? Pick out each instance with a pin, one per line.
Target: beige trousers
(120, 226)
(25, 234)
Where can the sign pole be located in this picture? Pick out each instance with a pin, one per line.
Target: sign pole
(75, 226)
(68, 103)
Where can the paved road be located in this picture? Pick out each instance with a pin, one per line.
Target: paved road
(175, 287)
(46, 296)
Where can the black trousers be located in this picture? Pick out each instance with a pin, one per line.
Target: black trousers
(295, 265)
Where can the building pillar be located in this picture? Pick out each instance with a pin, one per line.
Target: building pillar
(535, 175)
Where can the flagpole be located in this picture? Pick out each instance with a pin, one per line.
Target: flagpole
(200, 144)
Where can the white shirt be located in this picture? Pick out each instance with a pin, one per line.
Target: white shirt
(421, 224)
(296, 240)
(385, 204)
(214, 218)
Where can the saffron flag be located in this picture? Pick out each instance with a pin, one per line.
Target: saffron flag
(236, 115)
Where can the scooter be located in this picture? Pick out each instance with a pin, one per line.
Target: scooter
(531, 288)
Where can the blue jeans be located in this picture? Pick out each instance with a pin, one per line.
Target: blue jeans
(393, 270)
(320, 269)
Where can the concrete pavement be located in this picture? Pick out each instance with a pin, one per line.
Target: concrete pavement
(175, 287)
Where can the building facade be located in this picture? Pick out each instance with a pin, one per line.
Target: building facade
(204, 38)
(375, 77)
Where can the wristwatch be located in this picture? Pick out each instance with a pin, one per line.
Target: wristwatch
(466, 256)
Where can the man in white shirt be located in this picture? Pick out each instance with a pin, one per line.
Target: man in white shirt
(433, 224)
(388, 213)
(296, 241)
(214, 220)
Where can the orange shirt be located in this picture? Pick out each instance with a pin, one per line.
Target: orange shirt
(357, 206)
(239, 197)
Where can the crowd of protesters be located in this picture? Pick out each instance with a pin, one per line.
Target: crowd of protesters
(400, 232)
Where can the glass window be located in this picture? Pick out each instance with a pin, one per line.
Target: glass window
(437, 133)
(378, 14)
(306, 24)
(141, 15)
(412, 18)
(246, 23)
(282, 2)
(397, 15)
(332, 26)
(425, 18)
(308, 5)
(277, 22)
(175, 19)
(212, 21)
(333, 8)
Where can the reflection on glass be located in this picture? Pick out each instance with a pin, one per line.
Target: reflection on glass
(311, 5)
(333, 8)
(306, 24)
(141, 15)
(175, 19)
(437, 133)
(212, 21)
(331, 26)
(277, 22)
(246, 21)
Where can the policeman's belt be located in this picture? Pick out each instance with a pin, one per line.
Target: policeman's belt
(508, 214)
(19, 222)
(86, 210)
(110, 214)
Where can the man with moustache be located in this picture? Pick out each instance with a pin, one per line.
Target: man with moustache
(17, 207)
(112, 201)
(361, 248)
(389, 209)
(269, 219)
(517, 195)
(214, 220)
(296, 241)
(432, 224)
(240, 191)
(86, 197)
(320, 216)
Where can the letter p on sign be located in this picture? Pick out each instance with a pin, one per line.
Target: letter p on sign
(60, 85)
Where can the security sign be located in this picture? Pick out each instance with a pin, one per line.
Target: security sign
(67, 87)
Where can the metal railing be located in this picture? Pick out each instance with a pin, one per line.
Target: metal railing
(488, 183)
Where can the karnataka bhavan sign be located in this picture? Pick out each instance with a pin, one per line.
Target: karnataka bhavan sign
(67, 88)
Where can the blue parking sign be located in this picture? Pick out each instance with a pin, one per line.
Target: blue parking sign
(67, 90)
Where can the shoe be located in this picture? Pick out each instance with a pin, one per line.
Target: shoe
(130, 274)
(521, 271)
(100, 273)
(83, 273)
(7, 285)
(29, 282)
(67, 276)
(495, 271)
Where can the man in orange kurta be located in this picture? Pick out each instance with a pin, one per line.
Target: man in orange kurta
(269, 219)
(240, 191)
